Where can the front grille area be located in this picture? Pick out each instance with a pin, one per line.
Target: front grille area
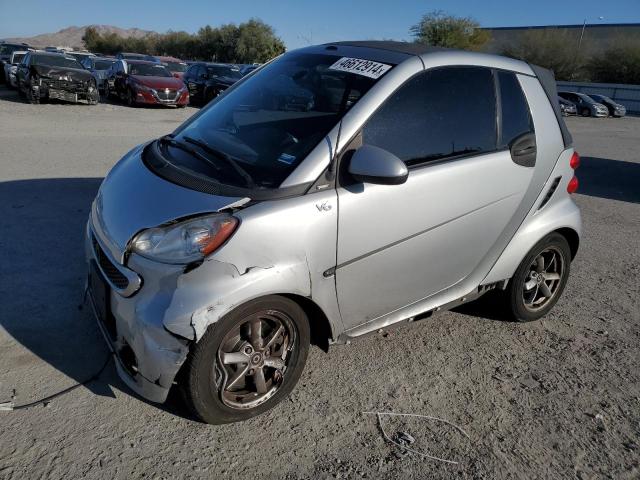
(64, 85)
(165, 95)
(113, 274)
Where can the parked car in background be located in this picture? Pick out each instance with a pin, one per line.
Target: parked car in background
(140, 82)
(586, 106)
(80, 56)
(136, 56)
(615, 109)
(223, 249)
(176, 66)
(99, 68)
(6, 49)
(11, 67)
(566, 107)
(247, 69)
(206, 81)
(44, 75)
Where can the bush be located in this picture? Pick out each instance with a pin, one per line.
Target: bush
(619, 63)
(555, 50)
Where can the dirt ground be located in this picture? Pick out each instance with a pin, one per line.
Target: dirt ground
(558, 398)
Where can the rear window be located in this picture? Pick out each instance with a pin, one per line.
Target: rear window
(516, 118)
(441, 113)
(103, 64)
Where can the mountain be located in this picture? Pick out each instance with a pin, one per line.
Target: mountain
(72, 36)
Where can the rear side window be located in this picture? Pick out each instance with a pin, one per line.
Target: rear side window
(437, 114)
(516, 118)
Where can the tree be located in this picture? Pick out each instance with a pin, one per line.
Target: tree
(252, 41)
(441, 30)
(620, 63)
(552, 49)
(257, 42)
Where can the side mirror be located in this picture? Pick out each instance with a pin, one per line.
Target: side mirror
(376, 165)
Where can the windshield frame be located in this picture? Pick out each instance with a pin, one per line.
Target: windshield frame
(315, 160)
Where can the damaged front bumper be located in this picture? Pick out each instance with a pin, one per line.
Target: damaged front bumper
(131, 321)
(68, 91)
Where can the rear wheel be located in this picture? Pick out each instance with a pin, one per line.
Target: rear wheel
(131, 98)
(540, 279)
(247, 362)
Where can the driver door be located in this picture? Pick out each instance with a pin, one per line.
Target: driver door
(399, 244)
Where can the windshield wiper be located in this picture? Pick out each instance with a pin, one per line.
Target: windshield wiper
(186, 148)
(224, 156)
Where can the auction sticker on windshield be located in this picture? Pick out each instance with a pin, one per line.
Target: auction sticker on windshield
(359, 66)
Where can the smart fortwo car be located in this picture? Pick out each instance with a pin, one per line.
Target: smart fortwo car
(415, 180)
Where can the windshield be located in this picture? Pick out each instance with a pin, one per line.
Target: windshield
(103, 64)
(133, 56)
(18, 57)
(57, 61)
(271, 121)
(148, 70)
(176, 66)
(223, 71)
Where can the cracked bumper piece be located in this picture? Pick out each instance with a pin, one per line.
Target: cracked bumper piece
(148, 356)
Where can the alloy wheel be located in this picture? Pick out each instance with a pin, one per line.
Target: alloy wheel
(544, 277)
(253, 359)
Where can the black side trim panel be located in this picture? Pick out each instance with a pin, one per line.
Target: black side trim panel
(548, 82)
(158, 164)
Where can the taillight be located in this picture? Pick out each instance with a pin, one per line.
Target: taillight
(575, 160)
(572, 186)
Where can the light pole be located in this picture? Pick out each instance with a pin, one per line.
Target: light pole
(584, 25)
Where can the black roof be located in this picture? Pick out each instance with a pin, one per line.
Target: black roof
(408, 48)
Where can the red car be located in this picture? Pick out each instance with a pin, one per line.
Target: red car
(176, 66)
(140, 82)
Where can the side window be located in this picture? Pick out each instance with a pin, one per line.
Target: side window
(189, 72)
(25, 60)
(441, 113)
(516, 117)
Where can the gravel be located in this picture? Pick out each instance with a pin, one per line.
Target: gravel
(557, 398)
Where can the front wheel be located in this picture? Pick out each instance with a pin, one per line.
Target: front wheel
(247, 362)
(586, 112)
(540, 279)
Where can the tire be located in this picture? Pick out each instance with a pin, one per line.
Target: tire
(131, 99)
(107, 92)
(527, 283)
(217, 393)
(585, 112)
(31, 98)
(93, 98)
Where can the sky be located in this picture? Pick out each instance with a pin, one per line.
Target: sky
(303, 22)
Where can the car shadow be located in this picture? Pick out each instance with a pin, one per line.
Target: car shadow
(607, 178)
(490, 306)
(42, 279)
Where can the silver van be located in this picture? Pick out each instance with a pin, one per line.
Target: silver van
(336, 190)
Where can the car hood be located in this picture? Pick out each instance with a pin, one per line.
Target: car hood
(101, 74)
(159, 82)
(132, 198)
(59, 73)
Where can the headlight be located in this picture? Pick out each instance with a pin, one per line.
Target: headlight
(185, 242)
(143, 88)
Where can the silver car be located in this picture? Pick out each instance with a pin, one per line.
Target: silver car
(415, 180)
